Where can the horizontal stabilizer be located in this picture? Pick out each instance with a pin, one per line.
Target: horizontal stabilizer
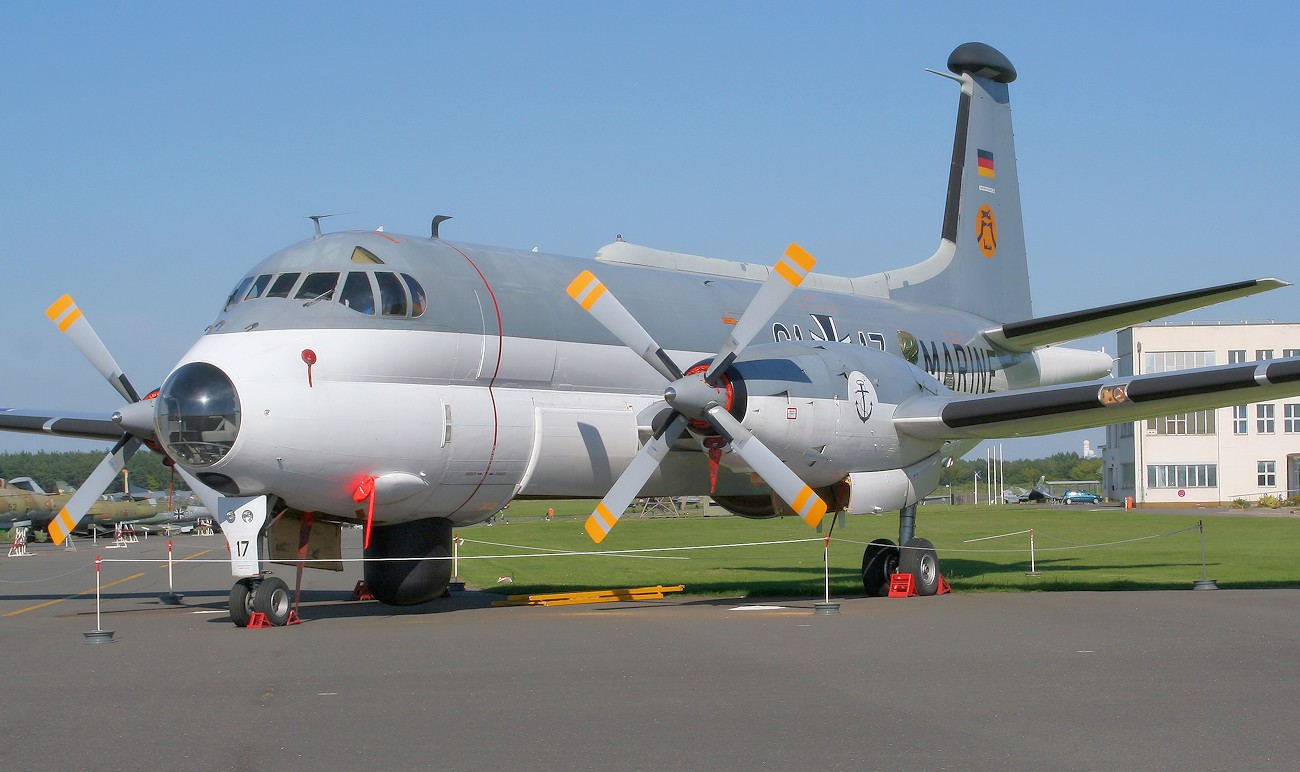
(1033, 333)
(1051, 409)
(84, 425)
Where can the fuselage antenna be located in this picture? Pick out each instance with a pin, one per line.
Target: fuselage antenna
(316, 218)
(433, 231)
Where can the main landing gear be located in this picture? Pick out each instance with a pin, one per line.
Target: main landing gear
(266, 594)
(917, 557)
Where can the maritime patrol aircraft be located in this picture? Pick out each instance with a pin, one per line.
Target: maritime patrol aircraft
(415, 384)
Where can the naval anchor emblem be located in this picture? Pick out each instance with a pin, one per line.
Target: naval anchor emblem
(861, 394)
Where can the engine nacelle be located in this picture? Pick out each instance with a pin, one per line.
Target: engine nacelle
(892, 489)
(1058, 364)
(827, 409)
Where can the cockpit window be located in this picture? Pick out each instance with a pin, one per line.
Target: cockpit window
(282, 284)
(357, 293)
(259, 287)
(417, 295)
(363, 255)
(392, 295)
(238, 292)
(318, 286)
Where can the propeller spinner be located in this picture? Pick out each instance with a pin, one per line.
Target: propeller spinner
(696, 397)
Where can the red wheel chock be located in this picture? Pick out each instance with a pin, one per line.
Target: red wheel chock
(904, 586)
(362, 592)
(258, 619)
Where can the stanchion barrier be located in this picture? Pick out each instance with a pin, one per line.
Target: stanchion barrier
(99, 634)
(18, 549)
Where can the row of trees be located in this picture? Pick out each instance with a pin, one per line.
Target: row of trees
(148, 472)
(1026, 471)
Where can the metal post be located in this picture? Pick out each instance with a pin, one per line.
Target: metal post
(1205, 582)
(171, 598)
(1033, 570)
(827, 606)
(456, 584)
(826, 565)
(98, 635)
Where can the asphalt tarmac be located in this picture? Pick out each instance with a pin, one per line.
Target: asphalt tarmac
(1045, 681)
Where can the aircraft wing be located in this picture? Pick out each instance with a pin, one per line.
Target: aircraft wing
(1033, 333)
(1050, 409)
(84, 425)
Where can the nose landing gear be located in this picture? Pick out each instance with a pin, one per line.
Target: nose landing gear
(267, 595)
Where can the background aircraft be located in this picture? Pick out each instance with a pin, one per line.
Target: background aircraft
(415, 384)
(23, 500)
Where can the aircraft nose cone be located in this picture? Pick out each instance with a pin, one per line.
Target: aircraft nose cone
(197, 415)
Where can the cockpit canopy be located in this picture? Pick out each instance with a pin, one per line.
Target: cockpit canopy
(369, 292)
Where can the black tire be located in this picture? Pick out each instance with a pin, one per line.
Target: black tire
(879, 561)
(241, 602)
(272, 598)
(919, 559)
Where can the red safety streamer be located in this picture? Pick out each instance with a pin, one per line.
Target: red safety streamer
(366, 492)
(714, 446)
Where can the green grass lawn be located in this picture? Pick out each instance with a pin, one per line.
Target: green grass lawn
(1077, 548)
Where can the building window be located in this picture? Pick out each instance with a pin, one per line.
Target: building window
(1125, 430)
(1182, 475)
(1168, 361)
(1240, 419)
(1263, 354)
(1128, 475)
(1264, 418)
(1291, 352)
(1291, 418)
(1200, 422)
(1266, 473)
(1236, 356)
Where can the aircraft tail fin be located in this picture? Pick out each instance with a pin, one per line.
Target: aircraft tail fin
(980, 265)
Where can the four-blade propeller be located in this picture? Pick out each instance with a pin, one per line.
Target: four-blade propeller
(699, 397)
(136, 427)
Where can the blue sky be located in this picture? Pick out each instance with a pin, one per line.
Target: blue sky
(155, 151)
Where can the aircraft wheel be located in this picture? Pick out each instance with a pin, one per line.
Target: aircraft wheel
(241, 602)
(271, 597)
(921, 561)
(879, 560)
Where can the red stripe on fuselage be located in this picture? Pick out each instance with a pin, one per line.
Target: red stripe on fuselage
(496, 423)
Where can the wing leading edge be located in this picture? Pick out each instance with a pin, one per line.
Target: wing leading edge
(1033, 333)
(84, 426)
(1051, 409)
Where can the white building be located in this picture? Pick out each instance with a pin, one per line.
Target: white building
(1210, 456)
